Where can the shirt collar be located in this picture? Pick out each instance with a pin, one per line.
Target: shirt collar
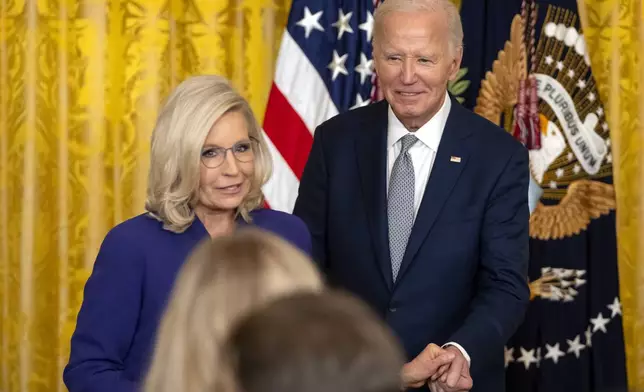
(429, 134)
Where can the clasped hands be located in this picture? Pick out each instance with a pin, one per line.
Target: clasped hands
(442, 369)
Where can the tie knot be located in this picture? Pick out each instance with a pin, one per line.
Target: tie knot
(407, 141)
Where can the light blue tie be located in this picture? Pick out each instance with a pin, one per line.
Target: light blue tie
(400, 204)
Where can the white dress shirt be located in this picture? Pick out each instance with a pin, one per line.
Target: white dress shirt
(423, 154)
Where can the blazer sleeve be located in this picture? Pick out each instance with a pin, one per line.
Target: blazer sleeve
(107, 319)
(311, 203)
(301, 236)
(502, 293)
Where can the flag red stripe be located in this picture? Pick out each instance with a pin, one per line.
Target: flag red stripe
(287, 131)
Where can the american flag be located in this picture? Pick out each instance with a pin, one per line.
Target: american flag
(324, 67)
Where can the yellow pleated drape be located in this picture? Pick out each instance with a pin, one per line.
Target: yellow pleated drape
(614, 32)
(81, 82)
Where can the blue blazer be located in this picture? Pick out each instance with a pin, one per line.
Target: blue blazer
(127, 292)
(464, 274)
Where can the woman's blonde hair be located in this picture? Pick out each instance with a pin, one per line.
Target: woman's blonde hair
(178, 137)
(222, 280)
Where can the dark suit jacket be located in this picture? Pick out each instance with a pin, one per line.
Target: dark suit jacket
(464, 273)
(126, 295)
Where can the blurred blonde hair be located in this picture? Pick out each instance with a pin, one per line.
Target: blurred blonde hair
(222, 280)
(178, 137)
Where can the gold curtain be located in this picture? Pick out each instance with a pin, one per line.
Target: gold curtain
(614, 33)
(81, 82)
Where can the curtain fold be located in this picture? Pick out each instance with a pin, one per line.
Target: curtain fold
(81, 83)
(614, 31)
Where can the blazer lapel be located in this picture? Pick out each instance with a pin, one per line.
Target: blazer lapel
(371, 153)
(450, 160)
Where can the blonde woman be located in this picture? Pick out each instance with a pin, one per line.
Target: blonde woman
(221, 282)
(208, 164)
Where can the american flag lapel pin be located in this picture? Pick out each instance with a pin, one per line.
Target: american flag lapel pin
(455, 159)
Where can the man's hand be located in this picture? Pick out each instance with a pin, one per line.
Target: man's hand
(417, 372)
(453, 376)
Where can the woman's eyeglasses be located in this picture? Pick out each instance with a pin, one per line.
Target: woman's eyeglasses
(244, 151)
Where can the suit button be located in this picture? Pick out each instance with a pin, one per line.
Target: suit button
(392, 310)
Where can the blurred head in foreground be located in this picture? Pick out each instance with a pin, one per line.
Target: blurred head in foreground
(222, 280)
(314, 342)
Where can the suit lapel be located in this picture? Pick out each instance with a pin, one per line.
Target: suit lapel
(444, 175)
(371, 153)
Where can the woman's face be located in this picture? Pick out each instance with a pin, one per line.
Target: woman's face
(227, 164)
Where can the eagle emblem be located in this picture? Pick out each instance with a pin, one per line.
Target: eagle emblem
(566, 189)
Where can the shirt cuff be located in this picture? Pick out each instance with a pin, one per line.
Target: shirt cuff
(460, 348)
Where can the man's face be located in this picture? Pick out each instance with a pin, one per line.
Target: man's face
(414, 61)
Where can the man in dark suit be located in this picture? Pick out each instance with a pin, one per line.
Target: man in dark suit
(420, 207)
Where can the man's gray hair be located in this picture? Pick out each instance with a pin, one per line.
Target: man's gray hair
(451, 11)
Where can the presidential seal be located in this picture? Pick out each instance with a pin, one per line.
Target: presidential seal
(571, 154)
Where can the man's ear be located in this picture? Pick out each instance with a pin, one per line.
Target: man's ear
(375, 54)
(456, 62)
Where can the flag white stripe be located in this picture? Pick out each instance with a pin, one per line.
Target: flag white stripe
(301, 85)
(281, 189)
